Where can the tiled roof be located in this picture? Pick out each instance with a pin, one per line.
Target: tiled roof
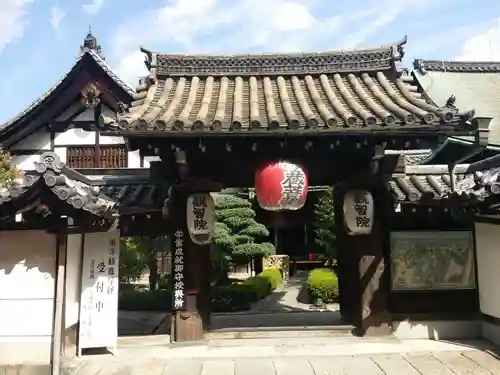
(100, 195)
(457, 66)
(329, 91)
(480, 185)
(412, 157)
(475, 182)
(68, 185)
(87, 52)
(415, 188)
(133, 192)
(466, 84)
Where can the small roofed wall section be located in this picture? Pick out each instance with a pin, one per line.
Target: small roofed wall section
(76, 145)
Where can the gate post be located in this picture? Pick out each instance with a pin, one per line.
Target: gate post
(363, 270)
(190, 320)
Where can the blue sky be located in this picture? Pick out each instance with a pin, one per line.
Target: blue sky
(40, 39)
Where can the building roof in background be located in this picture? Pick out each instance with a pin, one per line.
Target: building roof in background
(465, 84)
(90, 52)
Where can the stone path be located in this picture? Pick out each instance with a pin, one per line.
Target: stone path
(289, 297)
(282, 308)
(440, 363)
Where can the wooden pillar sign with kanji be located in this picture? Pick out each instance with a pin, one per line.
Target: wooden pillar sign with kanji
(358, 212)
(200, 216)
(179, 289)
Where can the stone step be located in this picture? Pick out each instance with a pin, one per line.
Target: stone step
(316, 319)
(279, 332)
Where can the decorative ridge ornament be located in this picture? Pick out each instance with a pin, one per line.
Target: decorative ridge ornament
(281, 185)
(90, 94)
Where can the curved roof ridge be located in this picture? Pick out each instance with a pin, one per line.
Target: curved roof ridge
(397, 44)
(456, 66)
(367, 59)
(129, 89)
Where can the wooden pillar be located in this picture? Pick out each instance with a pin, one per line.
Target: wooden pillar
(363, 268)
(191, 320)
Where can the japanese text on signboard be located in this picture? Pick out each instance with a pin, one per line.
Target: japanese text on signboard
(361, 206)
(200, 224)
(178, 272)
(99, 298)
(292, 185)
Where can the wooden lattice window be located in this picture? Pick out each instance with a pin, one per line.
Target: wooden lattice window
(80, 157)
(96, 157)
(112, 157)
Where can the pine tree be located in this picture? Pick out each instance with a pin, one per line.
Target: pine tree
(324, 224)
(8, 172)
(236, 232)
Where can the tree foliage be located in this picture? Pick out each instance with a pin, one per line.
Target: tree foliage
(138, 254)
(8, 171)
(236, 232)
(324, 224)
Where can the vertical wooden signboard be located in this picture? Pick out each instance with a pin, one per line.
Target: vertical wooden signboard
(99, 291)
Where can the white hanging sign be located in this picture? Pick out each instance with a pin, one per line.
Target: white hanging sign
(200, 217)
(179, 295)
(358, 212)
(99, 296)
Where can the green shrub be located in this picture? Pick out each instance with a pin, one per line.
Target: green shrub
(322, 283)
(239, 296)
(145, 300)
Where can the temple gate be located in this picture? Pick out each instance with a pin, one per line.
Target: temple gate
(213, 120)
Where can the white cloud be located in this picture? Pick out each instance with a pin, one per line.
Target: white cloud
(93, 7)
(12, 21)
(222, 26)
(56, 16)
(484, 46)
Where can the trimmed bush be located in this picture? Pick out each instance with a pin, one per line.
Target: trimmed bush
(145, 300)
(239, 296)
(323, 283)
(235, 297)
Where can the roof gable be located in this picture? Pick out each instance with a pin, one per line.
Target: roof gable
(88, 58)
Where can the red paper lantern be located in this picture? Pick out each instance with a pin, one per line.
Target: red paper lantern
(281, 185)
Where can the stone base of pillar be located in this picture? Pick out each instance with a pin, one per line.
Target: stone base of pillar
(186, 326)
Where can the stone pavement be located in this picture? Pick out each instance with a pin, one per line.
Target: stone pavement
(445, 363)
(332, 356)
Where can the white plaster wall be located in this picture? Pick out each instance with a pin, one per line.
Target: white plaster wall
(61, 152)
(134, 159)
(73, 279)
(75, 136)
(39, 140)
(107, 140)
(488, 264)
(27, 274)
(25, 162)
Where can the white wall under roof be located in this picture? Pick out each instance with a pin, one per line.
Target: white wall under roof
(27, 274)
